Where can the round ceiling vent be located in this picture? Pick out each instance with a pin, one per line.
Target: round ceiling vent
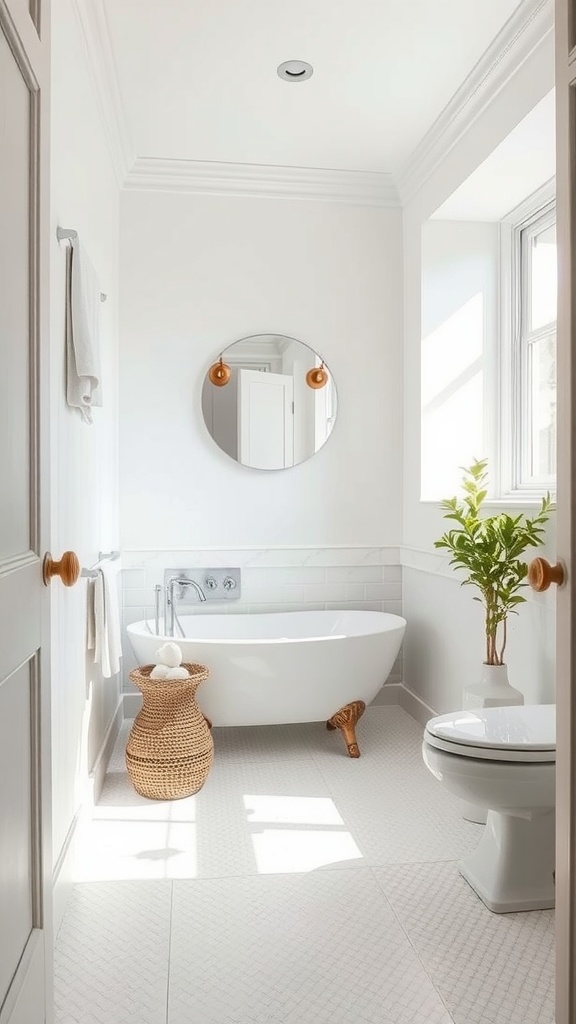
(295, 70)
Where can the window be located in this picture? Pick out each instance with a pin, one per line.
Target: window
(528, 408)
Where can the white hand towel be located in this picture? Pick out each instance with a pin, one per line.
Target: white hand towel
(83, 390)
(90, 616)
(104, 624)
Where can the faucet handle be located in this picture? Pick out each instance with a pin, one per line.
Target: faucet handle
(229, 583)
(211, 583)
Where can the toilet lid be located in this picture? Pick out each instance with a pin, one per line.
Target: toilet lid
(525, 733)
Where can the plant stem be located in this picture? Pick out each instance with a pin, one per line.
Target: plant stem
(504, 638)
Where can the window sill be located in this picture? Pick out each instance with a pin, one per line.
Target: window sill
(502, 503)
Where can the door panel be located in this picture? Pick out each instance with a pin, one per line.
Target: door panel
(20, 606)
(265, 419)
(566, 498)
(16, 839)
(25, 855)
(14, 308)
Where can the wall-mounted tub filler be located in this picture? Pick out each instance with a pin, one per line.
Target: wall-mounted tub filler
(196, 586)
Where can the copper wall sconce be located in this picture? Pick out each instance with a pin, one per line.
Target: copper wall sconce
(317, 377)
(219, 373)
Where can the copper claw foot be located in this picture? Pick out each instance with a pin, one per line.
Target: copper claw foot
(345, 719)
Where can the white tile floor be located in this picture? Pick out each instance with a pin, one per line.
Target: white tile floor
(298, 887)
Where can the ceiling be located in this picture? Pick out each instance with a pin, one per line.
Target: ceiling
(197, 78)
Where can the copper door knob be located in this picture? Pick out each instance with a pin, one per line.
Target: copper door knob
(541, 574)
(68, 568)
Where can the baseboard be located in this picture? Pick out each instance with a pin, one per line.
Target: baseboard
(417, 708)
(132, 702)
(98, 773)
(63, 874)
(388, 696)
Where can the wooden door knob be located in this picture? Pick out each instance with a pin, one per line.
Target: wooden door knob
(68, 568)
(541, 574)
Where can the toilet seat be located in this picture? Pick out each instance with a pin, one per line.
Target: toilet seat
(520, 734)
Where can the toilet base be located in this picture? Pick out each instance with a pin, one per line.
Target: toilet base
(470, 812)
(512, 869)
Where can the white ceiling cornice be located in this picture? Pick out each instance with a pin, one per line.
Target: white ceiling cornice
(93, 25)
(360, 188)
(523, 32)
(363, 188)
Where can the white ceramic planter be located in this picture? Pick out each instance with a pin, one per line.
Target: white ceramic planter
(492, 690)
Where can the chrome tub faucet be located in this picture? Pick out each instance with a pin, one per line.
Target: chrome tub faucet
(170, 611)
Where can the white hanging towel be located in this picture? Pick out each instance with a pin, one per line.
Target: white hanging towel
(83, 386)
(103, 634)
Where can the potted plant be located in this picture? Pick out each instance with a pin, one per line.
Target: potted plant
(489, 550)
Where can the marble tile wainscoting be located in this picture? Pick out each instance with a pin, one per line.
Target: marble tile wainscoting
(274, 579)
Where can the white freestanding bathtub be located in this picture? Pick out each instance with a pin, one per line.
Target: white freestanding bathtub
(268, 669)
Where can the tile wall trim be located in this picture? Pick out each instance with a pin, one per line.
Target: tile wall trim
(438, 564)
(272, 547)
(268, 557)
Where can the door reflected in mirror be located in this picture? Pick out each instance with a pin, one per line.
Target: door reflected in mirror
(266, 413)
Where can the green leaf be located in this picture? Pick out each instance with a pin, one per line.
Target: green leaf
(489, 548)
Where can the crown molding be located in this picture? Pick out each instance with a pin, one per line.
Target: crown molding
(361, 188)
(530, 24)
(91, 17)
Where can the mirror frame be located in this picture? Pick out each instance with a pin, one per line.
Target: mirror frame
(229, 361)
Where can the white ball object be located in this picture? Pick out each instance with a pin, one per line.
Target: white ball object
(169, 654)
(177, 673)
(159, 672)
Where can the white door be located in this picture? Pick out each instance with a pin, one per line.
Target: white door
(566, 602)
(265, 419)
(25, 861)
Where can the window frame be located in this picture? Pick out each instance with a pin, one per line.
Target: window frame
(512, 416)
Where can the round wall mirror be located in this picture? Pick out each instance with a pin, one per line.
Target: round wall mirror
(269, 401)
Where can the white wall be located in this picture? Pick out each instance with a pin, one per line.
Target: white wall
(200, 272)
(459, 323)
(84, 486)
(443, 644)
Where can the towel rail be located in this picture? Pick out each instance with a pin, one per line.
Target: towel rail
(103, 556)
(67, 235)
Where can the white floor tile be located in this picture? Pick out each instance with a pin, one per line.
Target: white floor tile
(259, 813)
(496, 968)
(251, 817)
(111, 956)
(309, 887)
(388, 799)
(305, 949)
(253, 743)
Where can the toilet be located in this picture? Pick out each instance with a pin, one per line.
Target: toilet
(504, 760)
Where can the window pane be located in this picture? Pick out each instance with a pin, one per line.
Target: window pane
(543, 283)
(543, 389)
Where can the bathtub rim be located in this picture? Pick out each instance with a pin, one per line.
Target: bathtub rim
(397, 623)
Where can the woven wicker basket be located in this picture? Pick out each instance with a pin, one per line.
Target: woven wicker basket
(170, 748)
